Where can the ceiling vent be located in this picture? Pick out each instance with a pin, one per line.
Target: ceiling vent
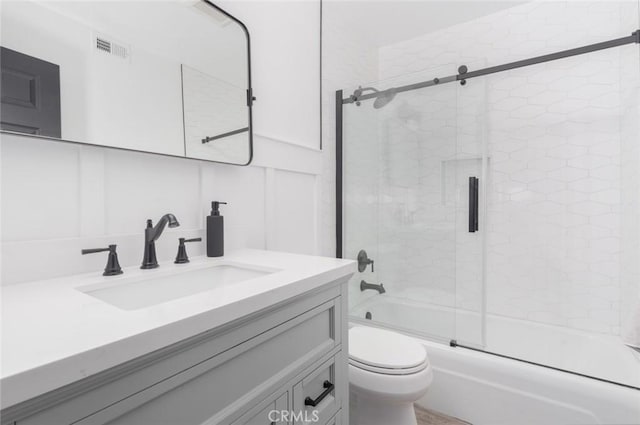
(106, 45)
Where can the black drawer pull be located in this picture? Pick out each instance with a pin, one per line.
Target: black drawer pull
(313, 403)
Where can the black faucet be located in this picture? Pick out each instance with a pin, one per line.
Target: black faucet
(365, 285)
(151, 235)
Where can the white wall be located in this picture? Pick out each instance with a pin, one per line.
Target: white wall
(59, 198)
(285, 43)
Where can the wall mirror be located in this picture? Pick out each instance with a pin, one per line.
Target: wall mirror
(167, 77)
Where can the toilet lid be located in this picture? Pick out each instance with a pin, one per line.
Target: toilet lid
(384, 350)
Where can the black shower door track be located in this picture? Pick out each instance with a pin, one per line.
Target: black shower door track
(463, 75)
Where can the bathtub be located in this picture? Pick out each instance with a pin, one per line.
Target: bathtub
(490, 390)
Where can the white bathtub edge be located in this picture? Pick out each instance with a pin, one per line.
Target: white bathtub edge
(485, 389)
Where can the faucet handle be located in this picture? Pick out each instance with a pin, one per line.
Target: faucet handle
(94, 250)
(364, 261)
(182, 256)
(113, 266)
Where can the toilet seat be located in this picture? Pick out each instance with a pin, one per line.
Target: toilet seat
(384, 352)
(388, 371)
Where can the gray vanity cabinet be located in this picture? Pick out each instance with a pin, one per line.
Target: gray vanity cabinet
(262, 414)
(337, 419)
(273, 360)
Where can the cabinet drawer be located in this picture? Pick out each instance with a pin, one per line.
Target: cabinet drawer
(319, 394)
(336, 420)
(268, 412)
(223, 386)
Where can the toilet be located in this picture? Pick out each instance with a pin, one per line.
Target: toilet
(388, 372)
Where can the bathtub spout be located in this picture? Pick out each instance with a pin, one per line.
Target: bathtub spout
(364, 286)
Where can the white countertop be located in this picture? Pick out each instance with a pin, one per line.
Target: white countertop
(53, 334)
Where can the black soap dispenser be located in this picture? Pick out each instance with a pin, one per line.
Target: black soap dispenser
(215, 231)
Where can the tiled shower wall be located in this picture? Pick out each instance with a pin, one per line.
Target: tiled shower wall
(559, 249)
(630, 199)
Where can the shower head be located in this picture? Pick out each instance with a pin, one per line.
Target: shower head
(384, 98)
(355, 97)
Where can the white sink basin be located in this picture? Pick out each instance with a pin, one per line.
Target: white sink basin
(146, 291)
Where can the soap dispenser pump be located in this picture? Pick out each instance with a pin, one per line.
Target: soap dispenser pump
(215, 231)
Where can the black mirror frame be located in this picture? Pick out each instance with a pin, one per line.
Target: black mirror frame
(250, 97)
(250, 100)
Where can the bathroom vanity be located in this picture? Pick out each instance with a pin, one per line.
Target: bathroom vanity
(215, 341)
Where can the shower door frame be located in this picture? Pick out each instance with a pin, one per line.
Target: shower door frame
(463, 75)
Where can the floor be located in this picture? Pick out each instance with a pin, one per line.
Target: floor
(430, 417)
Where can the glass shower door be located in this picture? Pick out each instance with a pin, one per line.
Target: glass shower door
(471, 164)
(406, 202)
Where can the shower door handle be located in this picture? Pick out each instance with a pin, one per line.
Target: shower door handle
(473, 204)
